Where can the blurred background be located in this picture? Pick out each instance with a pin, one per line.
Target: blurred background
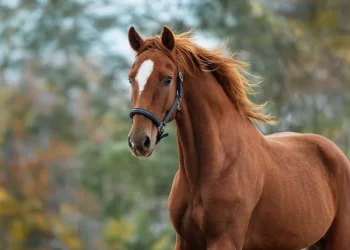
(67, 178)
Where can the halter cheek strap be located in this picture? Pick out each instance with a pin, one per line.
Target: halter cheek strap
(161, 124)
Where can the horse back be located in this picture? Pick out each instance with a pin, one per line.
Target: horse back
(316, 147)
(315, 156)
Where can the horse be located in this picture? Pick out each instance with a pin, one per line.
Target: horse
(235, 188)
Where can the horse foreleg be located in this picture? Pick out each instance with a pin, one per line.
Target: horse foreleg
(180, 244)
(222, 242)
(230, 239)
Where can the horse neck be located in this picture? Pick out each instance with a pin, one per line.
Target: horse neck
(211, 133)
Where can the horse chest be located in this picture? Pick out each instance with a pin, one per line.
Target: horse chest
(189, 224)
(187, 215)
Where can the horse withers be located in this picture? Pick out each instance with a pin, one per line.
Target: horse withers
(235, 188)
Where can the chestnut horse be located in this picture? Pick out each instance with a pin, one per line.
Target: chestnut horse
(235, 188)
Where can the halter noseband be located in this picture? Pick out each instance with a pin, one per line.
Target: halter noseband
(154, 118)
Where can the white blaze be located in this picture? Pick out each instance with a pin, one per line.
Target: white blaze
(144, 73)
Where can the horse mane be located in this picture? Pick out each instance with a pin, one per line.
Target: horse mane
(227, 71)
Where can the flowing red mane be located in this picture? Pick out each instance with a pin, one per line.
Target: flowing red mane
(227, 70)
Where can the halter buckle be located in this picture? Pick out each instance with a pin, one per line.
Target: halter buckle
(161, 128)
(181, 76)
(178, 105)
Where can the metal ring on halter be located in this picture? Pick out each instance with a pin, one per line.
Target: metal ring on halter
(161, 128)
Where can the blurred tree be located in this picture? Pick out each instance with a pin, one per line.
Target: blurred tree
(300, 48)
(26, 220)
(72, 81)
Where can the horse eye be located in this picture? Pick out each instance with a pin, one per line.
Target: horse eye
(168, 80)
(129, 80)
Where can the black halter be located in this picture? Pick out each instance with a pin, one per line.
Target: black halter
(154, 119)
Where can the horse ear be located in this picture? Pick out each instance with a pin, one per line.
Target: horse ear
(135, 39)
(168, 38)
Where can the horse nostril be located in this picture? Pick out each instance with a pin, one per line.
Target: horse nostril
(130, 143)
(147, 142)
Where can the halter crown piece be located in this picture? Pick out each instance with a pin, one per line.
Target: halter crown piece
(161, 124)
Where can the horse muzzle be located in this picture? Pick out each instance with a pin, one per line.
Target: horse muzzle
(141, 144)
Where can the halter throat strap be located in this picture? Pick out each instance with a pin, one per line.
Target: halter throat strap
(161, 124)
